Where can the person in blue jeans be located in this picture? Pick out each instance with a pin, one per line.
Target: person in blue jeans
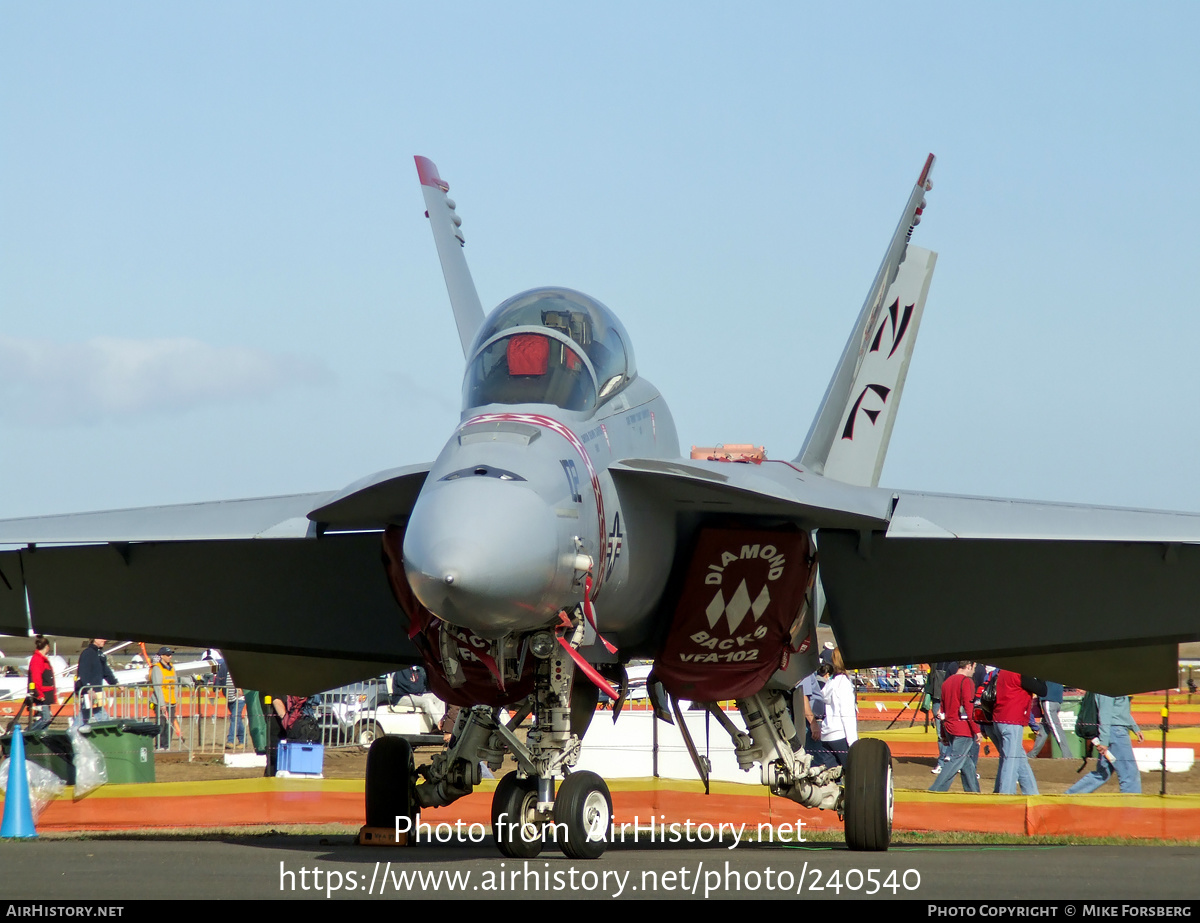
(957, 718)
(1014, 695)
(1115, 752)
(235, 702)
(1050, 726)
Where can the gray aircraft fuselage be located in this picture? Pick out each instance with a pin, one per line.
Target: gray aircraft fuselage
(519, 510)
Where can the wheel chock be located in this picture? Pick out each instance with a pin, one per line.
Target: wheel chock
(381, 836)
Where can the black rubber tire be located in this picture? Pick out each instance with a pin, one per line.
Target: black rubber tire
(391, 776)
(868, 787)
(582, 806)
(366, 733)
(514, 801)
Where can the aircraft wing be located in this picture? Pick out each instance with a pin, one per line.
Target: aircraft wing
(261, 517)
(1091, 596)
(773, 490)
(284, 578)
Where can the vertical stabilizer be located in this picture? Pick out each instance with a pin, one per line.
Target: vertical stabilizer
(447, 235)
(849, 437)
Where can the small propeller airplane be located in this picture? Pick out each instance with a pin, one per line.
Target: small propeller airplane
(560, 534)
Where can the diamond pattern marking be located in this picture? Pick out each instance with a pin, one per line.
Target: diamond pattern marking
(737, 607)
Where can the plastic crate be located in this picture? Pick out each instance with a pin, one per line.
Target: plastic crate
(300, 758)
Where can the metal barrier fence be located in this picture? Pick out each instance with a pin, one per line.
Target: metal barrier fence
(346, 715)
(203, 723)
(197, 722)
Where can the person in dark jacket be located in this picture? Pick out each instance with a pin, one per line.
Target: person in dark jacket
(410, 687)
(93, 673)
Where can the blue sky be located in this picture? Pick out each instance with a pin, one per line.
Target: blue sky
(216, 279)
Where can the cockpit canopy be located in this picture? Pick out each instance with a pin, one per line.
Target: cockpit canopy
(549, 346)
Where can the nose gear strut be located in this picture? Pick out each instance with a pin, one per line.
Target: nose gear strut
(526, 808)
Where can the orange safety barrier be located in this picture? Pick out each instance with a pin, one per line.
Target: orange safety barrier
(268, 802)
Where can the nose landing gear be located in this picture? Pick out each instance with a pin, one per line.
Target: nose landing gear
(525, 810)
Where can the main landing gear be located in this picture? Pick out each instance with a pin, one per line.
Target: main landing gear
(861, 792)
(528, 811)
(869, 797)
(391, 780)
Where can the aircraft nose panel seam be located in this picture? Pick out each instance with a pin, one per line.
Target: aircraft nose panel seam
(568, 434)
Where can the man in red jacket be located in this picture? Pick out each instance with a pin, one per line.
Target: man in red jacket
(1014, 695)
(958, 723)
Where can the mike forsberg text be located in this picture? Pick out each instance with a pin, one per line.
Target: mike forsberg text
(653, 830)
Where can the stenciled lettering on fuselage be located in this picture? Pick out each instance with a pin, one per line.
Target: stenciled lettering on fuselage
(612, 545)
(572, 474)
(899, 326)
(637, 420)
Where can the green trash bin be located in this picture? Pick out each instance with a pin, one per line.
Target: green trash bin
(128, 748)
(1067, 716)
(50, 750)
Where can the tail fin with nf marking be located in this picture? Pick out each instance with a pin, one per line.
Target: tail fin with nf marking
(849, 437)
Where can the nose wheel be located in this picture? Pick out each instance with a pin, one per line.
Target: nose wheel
(583, 808)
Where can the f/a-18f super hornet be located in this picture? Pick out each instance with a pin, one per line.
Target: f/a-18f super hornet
(560, 533)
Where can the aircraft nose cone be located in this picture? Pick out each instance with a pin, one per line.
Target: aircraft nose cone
(482, 554)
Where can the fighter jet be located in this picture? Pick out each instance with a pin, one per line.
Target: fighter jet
(560, 533)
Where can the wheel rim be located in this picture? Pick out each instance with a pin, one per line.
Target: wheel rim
(366, 737)
(891, 796)
(527, 813)
(595, 817)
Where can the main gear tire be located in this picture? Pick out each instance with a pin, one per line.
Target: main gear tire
(391, 781)
(515, 825)
(869, 798)
(583, 809)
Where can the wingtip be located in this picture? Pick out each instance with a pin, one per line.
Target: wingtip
(428, 172)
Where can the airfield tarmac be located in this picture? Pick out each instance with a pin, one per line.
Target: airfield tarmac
(320, 867)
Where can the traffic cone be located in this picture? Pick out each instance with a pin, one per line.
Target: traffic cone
(18, 812)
